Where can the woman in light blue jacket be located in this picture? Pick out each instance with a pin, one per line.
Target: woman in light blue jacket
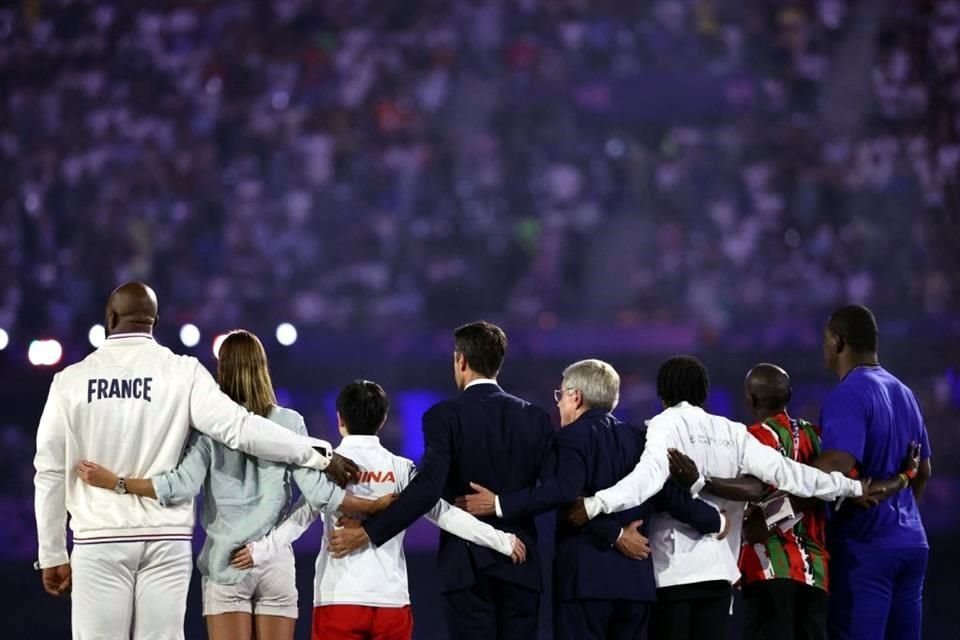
(244, 497)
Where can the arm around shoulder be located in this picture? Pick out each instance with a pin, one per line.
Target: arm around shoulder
(465, 526)
(562, 478)
(426, 487)
(215, 414)
(792, 477)
(643, 482)
(318, 490)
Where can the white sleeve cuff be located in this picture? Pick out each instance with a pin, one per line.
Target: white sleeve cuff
(723, 523)
(857, 488)
(496, 506)
(321, 456)
(511, 542)
(698, 486)
(593, 507)
(54, 560)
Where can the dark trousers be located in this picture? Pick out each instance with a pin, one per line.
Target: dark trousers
(784, 610)
(876, 593)
(601, 620)
(699, 611)
(492, 609)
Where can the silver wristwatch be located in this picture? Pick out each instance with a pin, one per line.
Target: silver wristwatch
(121, 486)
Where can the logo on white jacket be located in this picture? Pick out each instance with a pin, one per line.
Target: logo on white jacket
(119, 389)
(367, 477)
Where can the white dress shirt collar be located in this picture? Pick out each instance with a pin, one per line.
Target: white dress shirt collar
(479, 381)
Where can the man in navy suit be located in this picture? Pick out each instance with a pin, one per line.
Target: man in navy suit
(488, 435)
(603, 580)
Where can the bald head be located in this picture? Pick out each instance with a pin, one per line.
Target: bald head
(132, 307)
(768, 388)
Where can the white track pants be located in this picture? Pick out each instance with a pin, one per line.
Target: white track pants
(132, 590)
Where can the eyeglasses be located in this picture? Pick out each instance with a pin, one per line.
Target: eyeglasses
(558, 393)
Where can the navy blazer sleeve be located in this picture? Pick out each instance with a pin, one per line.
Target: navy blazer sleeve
(425, 489)
(604, 530)
(562, 478)
(682, 506)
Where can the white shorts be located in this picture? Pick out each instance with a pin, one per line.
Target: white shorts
(269, 589)
(130, 589)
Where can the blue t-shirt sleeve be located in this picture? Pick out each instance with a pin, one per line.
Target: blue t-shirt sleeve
(844, 423)
(925, 451)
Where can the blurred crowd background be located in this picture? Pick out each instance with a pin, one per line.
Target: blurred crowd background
(352, 162)
(603, 178)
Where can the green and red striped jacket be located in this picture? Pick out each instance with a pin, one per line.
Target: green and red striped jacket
(799, 554)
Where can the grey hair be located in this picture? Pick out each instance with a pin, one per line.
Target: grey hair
(597, 381)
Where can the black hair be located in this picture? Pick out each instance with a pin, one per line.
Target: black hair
(483, 344)
(683, 378)
(857, 327)
(362, 405)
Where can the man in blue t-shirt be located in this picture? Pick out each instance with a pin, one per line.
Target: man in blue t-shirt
(879, 555)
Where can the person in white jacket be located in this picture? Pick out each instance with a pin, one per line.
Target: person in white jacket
(130, 406)
(364, 593)
(695, 574)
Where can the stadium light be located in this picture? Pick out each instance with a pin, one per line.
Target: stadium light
(615, 147)
(4, 339)
(216, 345)
(44, 353)
(280, 100)
(286, 334)
(189, 335)
(97, 335)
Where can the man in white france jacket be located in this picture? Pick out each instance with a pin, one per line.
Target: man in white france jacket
(130, 405)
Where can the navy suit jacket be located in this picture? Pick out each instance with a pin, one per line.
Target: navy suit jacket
(590, 454)
(488, 436)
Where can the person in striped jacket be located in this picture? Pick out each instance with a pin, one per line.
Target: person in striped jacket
(784, 569)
